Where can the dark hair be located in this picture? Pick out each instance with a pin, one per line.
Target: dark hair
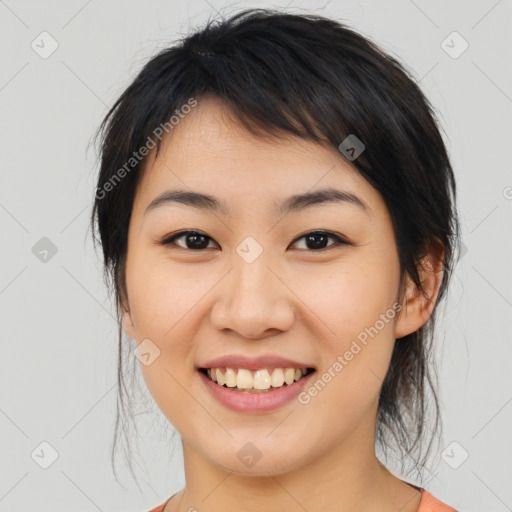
(316, 78)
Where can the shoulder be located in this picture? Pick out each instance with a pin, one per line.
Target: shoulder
(160, 508)
(430, 503)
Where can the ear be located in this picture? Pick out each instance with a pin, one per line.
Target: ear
(127, 322)
(417, 306)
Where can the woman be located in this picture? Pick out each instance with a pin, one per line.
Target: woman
(276, 209)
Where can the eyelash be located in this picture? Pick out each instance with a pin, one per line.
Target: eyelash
(338, 239)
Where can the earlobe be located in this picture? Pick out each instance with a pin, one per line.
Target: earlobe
(406, 323)
(417, 306)
(127, 322)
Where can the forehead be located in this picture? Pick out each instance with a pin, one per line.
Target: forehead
(210, 152)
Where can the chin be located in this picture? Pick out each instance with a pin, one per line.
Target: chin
(249, 461)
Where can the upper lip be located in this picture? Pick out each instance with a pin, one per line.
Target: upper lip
(253, 363)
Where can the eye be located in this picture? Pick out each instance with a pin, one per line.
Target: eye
(196, 240)
(315, 240)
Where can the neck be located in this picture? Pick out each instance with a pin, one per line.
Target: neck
(344, 475)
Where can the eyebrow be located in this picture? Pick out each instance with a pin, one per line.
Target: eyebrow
(294, 203)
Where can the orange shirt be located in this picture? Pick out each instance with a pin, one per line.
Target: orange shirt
(428, 504)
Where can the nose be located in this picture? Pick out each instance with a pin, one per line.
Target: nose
(253, 300)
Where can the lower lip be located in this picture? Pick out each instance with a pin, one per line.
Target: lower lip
(255, 402)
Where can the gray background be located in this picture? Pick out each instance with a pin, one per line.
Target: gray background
(58, 358)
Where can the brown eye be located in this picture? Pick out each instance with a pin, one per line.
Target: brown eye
(317, 240)
(196, 241)
(193, 240)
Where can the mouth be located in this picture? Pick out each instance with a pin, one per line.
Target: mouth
(264, 380)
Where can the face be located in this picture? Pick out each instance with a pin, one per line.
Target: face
(257, 282)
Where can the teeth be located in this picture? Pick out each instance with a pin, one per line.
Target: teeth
(220, 377)
(277, 379)
(263, 379)
(230, 378)
(244, 379)
(289, 375)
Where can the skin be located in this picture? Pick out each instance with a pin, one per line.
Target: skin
(293, 300)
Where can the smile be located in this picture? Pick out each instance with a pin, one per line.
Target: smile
(243, 395)
(259, 381)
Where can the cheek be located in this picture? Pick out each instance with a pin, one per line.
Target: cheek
(354, 314)
(160, 295)
(164, 306)
(162, 301)
(345, 299)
